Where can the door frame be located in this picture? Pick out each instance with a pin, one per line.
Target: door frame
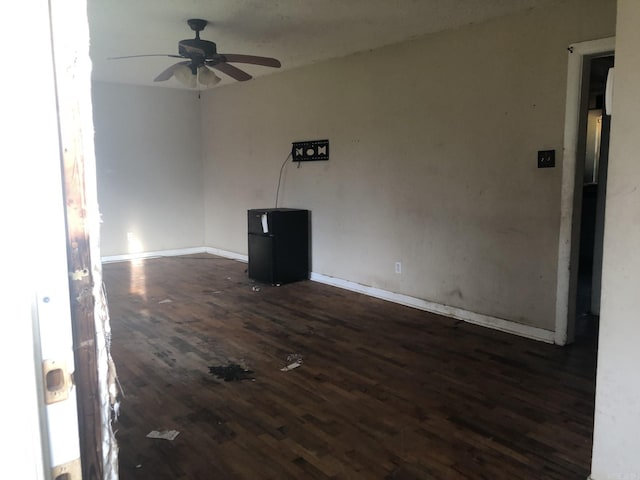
(569, 237)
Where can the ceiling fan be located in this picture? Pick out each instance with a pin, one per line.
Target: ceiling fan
(200, 56)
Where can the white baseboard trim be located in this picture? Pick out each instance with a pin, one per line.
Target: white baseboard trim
(227, 254)
(175, 253)
(159, 253)
(432, 307)
(457, 313)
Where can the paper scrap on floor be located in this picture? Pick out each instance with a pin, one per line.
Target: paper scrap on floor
(291, 366)
(166, 300)
(164, 434)
(294, 360)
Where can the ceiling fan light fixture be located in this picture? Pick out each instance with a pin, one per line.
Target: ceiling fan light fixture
(207, 77)
(184, 75)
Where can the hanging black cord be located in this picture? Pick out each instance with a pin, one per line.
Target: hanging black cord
(280, 177)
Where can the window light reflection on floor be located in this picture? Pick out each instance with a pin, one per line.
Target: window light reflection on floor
(137, 279)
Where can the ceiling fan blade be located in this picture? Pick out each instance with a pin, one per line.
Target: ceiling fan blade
(168, 73)
(149, 55)
(232, 71)
(253, 59)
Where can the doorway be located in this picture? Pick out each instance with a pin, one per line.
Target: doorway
(582, 92)
(593, 150)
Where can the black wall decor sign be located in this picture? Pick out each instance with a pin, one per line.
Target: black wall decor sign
(310, 150)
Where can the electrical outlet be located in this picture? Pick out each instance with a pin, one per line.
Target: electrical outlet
(398, 267)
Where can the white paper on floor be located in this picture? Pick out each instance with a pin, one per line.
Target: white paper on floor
(164, 434)
(166, 300)
(291, 366)
(294, 360)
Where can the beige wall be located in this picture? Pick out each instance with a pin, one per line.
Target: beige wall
(433, 160)
(148, 153)
(617, 415)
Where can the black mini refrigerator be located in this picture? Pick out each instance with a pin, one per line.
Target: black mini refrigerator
(279, 245)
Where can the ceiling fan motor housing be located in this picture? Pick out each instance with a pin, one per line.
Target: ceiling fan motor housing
(194, 47)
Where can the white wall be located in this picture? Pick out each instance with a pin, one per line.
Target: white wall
(148, 152)
(433, 160)
(617, 415)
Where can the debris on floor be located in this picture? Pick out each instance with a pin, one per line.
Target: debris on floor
(294, 360)
(291, 366)
(166, 300)
(163, 434)
(255, 288)
(231, 372)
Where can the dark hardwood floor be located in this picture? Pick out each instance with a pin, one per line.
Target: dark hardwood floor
(385, 391)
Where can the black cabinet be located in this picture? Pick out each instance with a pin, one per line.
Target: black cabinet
(279, 245)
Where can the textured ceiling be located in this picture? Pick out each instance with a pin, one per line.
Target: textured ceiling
(297, 32)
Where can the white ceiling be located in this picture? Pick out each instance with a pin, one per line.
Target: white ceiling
(297, 32)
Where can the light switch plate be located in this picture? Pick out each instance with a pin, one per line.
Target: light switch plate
(546, 158)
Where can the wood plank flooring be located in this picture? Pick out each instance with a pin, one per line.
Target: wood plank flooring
(385, 391)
